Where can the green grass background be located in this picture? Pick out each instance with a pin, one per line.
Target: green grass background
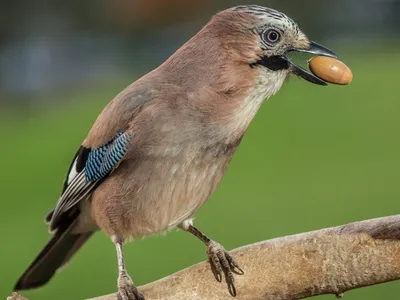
(313, 157)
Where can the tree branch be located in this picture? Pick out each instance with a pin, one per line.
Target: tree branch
(327, 261)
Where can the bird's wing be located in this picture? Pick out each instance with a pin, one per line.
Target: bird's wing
(88, 169)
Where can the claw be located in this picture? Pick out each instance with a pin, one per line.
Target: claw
(237, 270)
(233, 264)
(217, 272)
(222, 261)
(230, 280)
(127, 290)
(232, 289)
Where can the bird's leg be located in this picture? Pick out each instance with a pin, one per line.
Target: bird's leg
(220, 260)
(126, 289)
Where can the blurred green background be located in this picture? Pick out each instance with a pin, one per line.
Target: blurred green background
(313, 157)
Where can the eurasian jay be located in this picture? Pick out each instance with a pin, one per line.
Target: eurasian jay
(159, 149)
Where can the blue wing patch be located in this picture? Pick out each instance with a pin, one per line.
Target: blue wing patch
(101, 161)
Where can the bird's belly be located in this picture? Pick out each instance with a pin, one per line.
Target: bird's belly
(153, 196)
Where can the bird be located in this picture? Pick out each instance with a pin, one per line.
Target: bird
(160, 147)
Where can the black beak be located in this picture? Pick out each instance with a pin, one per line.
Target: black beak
(281, 62)
(316, 49)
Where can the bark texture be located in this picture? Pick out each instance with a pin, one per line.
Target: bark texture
(327, 261)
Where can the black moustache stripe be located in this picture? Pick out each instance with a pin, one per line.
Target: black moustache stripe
(274, 63)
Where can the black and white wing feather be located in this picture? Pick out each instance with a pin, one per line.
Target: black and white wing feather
(88, 169)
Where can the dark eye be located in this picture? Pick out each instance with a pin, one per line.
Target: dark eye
(272, 36)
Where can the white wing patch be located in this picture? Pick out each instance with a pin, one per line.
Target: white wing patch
(72, 174)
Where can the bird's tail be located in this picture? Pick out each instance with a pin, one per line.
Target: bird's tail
(62, 246)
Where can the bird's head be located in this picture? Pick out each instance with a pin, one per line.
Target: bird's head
(263, 37)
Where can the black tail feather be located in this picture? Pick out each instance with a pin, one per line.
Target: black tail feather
(62, 246)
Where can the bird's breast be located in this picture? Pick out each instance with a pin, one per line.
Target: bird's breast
(155, 194)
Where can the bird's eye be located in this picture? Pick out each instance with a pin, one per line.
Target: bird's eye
(272, 36)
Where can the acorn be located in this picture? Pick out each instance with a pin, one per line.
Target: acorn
(330, 70)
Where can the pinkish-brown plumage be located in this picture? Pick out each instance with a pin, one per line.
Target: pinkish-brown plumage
(169, 174)
(160, 148)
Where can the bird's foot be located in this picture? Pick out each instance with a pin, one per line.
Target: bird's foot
(222, 262)
(127, 290)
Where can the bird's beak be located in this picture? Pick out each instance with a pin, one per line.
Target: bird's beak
(316, 49)
(282, 62)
